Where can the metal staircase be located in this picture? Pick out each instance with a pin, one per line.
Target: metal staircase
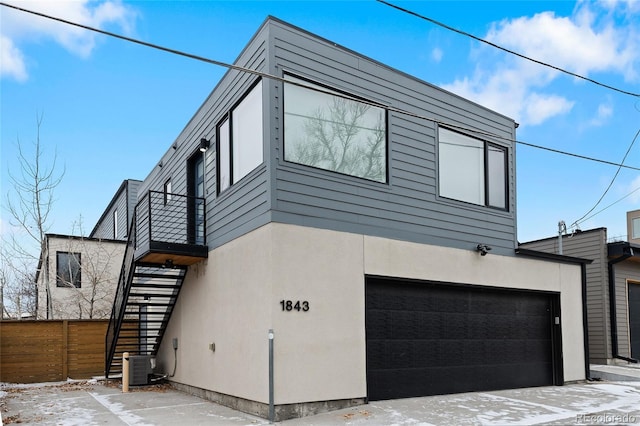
(159, 250)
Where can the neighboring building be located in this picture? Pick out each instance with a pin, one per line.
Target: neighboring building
(77, 277)
(114, 222)
(613, 292)
(633, 226)
(377, 247)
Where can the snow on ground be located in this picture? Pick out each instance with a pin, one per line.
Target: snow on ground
(95, 402)
(119, 410)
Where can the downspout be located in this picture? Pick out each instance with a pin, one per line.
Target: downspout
(612, 306)
(585, 323)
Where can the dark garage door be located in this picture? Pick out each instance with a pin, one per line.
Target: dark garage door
(433, 338)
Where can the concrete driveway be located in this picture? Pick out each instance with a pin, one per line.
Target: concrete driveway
(100, 403)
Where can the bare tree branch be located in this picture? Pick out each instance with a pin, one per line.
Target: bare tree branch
(29, 203)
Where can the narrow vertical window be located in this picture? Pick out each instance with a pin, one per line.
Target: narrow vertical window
(497, 176)
(167, 191)
(115, 224)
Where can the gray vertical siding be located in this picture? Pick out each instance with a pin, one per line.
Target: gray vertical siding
(589, 245)
(408, 206)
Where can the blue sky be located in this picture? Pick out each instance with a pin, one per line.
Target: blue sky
(110, 108)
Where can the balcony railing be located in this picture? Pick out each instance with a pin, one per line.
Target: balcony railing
(170, 224)
(167, 230)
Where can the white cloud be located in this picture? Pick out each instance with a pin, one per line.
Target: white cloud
(11, 60)
(436, 54)
(625, 6)
(584, 43)
(538, 107)
(19, 28)
(573, 43)
(603, 114)
(634, 191)
(512, 92)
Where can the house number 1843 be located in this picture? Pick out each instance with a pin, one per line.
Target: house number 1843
(297, 305)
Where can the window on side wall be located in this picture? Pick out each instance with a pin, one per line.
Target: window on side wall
(115, 224)
(330, 132)
(68, 269)
(240, 139)
(635, 225)
(167, 191)
(472, 170)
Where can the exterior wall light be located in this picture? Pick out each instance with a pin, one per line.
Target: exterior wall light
(204, 145)
(483, 249)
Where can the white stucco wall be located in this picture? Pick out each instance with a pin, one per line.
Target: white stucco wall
(101, 261)
(233, 299)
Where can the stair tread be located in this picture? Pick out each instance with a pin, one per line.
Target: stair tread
(144, 281)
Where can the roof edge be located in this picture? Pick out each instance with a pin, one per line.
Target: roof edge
(552, 257)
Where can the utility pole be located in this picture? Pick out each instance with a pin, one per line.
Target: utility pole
(562, 229)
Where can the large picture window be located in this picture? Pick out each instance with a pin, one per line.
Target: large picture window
(472, 170)
(68, 267)
(330, 132)
(240, 139)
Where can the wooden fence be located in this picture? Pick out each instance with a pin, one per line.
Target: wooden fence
(52, 350)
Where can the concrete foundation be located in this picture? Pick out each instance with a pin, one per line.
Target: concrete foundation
(282, 411)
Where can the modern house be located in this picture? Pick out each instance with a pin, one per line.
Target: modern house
(355, 220)
(77, 276)
(613, 291)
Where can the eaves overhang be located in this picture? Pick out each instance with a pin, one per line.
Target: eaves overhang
(623, 249)
(552, 257)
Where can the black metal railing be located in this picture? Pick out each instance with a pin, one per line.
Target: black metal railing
(117, 311)
(170, 218)
(158, 218)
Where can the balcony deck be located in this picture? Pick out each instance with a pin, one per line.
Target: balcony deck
(170, 228)
(177, 254)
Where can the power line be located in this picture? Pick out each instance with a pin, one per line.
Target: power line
(584, 157)
(610, 205)
(610, 183)
(136, 41)
(520, 55)
(315, 88)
